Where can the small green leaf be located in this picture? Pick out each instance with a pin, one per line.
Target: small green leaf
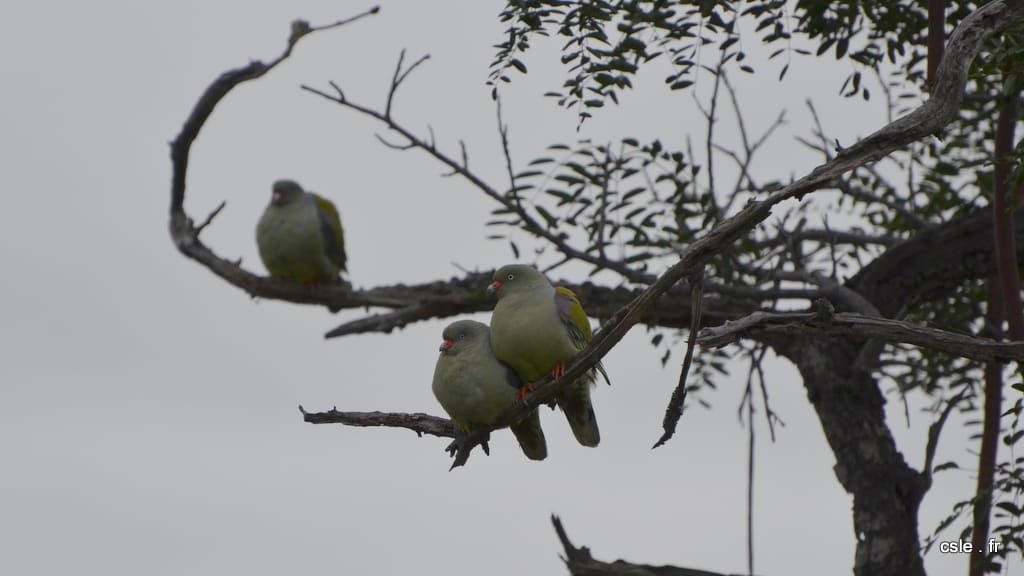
(1011, 439)
(548, 217)
(1009, 507)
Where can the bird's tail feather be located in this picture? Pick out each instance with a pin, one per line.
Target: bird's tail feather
(575, 402)
(530, 436)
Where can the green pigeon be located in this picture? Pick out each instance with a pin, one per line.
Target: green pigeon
(300, 236)
(536, 328)
(475, 388)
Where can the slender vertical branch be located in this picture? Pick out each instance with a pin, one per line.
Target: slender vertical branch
(936, 35)
(750, 470)
(677, 402)
(1003, 204)
(989, 443)
(1004, 304)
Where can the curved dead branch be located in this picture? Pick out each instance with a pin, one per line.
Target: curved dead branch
(184, 233)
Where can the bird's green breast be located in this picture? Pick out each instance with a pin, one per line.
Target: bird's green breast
(472, 387)
(291, 245)
(528, 335)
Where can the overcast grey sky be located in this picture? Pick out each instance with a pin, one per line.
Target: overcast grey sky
(148, 411)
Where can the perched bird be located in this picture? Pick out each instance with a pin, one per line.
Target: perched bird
(475, 388)
(536, 328)
(300, 236)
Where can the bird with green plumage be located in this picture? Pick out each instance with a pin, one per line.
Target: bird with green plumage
(300, 237)
(475, 388)
(536, 329)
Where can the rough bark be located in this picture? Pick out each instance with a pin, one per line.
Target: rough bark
(886, 491)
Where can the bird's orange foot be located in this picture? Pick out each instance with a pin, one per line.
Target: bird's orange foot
(523, 391)
(558, 370)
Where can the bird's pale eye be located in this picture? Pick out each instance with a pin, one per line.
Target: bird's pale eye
(462, 335)
(510, 277)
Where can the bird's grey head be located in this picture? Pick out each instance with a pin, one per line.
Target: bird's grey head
(514, 278)
(286, 192)
(463, 334)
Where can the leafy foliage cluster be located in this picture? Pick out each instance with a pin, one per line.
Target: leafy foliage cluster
(626, 201)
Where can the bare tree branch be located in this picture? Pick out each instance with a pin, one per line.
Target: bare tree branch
(209, 219)
(677, 401)
(419, 423)
(830, 237)
(828, 287)
(936, 35)
(769, 415)
(397, 79)
(852, 325)
(466, 295)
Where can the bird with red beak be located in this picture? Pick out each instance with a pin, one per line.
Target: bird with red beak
(475, 388)
(536, 329)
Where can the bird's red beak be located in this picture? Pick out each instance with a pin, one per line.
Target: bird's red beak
(493, 288)
(446, 345)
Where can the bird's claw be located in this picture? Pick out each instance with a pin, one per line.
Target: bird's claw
(558, 370)
(459, 442)
(523, 391)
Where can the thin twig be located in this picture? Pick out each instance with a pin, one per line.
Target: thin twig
(399, 76)
(505, 148)
(676, 403)
(935, 430)
(769, 415)
(209, 219)
(751, 435)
